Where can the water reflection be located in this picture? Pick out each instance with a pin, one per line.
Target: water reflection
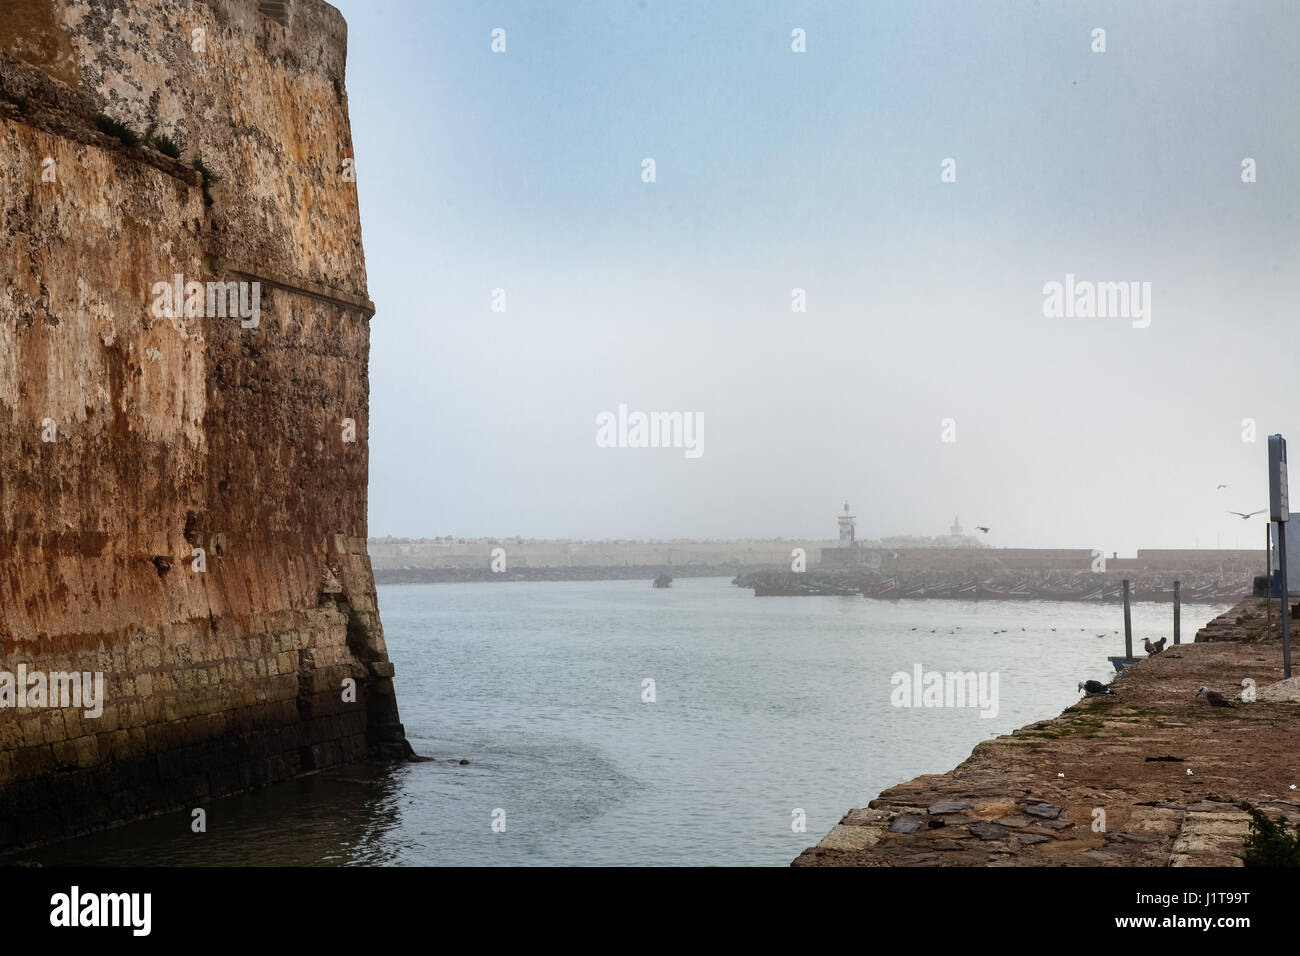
(337, 817)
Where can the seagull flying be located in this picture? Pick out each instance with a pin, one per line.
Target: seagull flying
(1244, 517)
(1095, 687)
(980, 527)
(1213, 696)
(1219, 487)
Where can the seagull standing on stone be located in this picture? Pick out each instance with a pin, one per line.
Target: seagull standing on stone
(1095, 687)
(1213, 696)
(1154, 649)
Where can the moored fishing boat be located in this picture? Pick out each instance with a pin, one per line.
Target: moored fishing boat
(885, 590)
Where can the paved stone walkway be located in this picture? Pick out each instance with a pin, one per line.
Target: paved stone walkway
(1107, 783)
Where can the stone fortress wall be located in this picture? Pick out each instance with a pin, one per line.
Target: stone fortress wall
(180, 506)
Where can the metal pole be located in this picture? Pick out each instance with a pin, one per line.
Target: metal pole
(1128, 625)
(1286, 608)
(1178, 613)
(1268, 580)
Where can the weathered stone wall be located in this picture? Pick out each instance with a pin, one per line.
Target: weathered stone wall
(176, 434)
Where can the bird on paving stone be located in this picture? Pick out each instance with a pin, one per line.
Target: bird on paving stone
(1156, 648)
(1095, 687)
(1213, 696)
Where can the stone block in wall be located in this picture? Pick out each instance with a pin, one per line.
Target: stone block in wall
(87, 750)
(65, 754)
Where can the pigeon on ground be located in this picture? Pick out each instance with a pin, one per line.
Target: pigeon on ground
(1095, 687)
(1214, 697)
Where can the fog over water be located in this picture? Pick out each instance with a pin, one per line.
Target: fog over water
(521, 171)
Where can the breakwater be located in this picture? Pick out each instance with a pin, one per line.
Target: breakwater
(468, 554)
(645, 573)
(1150, 776)
(1194, 586)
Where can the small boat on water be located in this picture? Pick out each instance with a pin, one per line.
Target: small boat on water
(1019, 592)
(662, 581)
(884, 589)
(801, 589)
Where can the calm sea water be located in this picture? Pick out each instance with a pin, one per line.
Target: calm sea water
(762, 706)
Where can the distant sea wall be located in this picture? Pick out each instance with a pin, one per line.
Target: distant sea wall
(404, 560)
(397, 554)
(1041, 559)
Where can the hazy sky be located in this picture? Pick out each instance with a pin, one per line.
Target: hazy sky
(821, 170)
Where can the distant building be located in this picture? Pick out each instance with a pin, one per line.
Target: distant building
(848, 526)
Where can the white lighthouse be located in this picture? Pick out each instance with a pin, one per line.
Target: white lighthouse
(848, 523)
